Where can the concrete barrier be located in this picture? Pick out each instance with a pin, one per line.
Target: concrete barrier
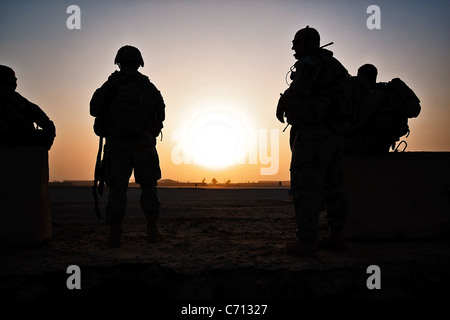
(25, 217)
(400, 195)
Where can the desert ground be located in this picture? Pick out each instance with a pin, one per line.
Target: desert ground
(218, 245)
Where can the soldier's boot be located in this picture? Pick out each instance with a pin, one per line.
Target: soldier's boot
(302, 249)
(334, 241)
(115, 235)
(153, 233)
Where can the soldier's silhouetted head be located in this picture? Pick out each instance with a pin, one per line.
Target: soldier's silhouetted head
(306, 39)
(130, 57)
(8, 80)
(367, 73)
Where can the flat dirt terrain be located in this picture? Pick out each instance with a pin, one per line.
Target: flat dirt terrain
(218, 245)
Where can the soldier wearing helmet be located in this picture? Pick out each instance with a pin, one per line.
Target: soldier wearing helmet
(19, 117)
(305, 40)
(316, 141)
(129, 112)
(129, 56)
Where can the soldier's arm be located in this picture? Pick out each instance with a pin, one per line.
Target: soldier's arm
(35, 114)
(304, 79)
(158, 100)
(102, 97)
(42, 120)
(38, 116)
(161, 107)
(97, 105)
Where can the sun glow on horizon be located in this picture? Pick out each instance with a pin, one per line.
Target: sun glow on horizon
(216, 140)
(214, 137)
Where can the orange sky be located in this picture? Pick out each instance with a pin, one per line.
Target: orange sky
(218, 64)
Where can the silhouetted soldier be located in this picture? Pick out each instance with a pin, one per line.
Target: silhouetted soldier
(18, 116)
(130, 111)
(382, 111)
(318, 122)
(370, 131)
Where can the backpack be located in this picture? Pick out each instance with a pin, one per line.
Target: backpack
(340, 89)
(344, 96)
(404, 98)
(331, 97)
(404, 104)
(128, 117)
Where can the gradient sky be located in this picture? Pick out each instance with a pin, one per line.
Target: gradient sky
(218, 64)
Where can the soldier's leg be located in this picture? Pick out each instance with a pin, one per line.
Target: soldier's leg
(307, 191)
(307, 198)
(334, 189)
(336, 213)
(336, 206)
(151, 206)
(119, 172)
(147, 172)
(119, 168)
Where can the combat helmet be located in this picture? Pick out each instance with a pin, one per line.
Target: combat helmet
(129, 54)
(309, 36)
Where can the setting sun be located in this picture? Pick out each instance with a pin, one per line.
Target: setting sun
(217, 140)
(214, 137)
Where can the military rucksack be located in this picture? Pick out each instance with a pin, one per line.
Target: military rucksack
(128, 117)
(339, 88)
(404, 104)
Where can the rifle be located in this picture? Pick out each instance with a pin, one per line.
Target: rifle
(99, 177)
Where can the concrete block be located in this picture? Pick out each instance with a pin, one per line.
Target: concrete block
(25, 217)
(400, 195)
